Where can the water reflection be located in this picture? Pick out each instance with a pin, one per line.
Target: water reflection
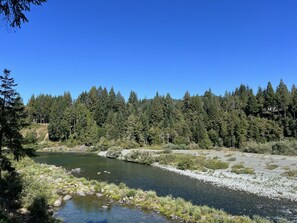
(90, 209)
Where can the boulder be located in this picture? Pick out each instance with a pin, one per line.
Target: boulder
(58, 203)
(67, 198)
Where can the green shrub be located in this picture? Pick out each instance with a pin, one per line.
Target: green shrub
(143, 157)
(185, 164)
(240, 169)
(30, 138)
(290, 173)
(216, 164)
(285, 147)
(271, 166)
(114, 152)
(131, 193)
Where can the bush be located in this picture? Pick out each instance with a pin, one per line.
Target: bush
(216, 164)
(129, 144)
(290, 173)
(142, 157)
(185, 164)
(30, 138)
(254, 147)
(240, 169)
(114, 152)
(285, 147)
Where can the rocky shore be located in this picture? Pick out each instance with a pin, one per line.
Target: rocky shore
(266, 185)
(265, 181)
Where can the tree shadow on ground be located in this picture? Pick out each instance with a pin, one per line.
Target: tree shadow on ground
(11, 187)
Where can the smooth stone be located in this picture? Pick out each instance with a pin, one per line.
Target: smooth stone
(105, 207)
(67, 198)
(58, 203)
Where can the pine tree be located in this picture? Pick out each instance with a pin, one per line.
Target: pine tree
(11, 121)
(269, 98)
(293, 102)
(282, 97)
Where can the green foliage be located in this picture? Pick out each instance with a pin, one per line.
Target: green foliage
(176, 147)
(12, 116)
(215, 164)
(290, 173)
(240, 169)
(271, 166)
(170, 207)
(185, 164)
(235, 120)
(114, 152)
(285, 147)
(142, 157)
(189, 162)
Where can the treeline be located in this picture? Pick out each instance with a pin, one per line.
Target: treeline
(101, 117)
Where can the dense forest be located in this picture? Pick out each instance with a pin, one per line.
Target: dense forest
(101, 117)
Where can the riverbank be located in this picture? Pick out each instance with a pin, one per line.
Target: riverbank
(269, 176)
(56, 184)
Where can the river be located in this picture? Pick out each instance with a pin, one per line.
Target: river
(165, 183)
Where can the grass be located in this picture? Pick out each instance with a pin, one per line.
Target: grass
(290, 173)
(241, 169)
(232, 159)
(56, 182)
(189, 162)
(271, 166)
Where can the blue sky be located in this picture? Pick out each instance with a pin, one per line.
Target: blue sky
(152, 45)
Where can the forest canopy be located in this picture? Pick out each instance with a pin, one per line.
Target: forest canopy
(206, 121)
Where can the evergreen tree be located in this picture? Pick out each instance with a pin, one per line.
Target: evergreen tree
(13, 11)
(156, 111)
(282, 97)
(269, 98)
(11, 121)
(293, 102)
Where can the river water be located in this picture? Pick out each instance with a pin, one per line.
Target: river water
(165, 183)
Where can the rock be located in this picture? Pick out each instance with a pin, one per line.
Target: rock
(58, 203)
(23, 211)
(99, 195)
(98, 173)
(80, 193)
(76, 170)
(67, 198)
(105, 207)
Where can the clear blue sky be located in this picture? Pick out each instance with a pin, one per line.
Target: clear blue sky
(152, 45)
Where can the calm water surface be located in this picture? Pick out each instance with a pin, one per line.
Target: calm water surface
(89, 209)
(165, 183)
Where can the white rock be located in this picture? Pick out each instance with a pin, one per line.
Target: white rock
(58, 203)
(67, 198)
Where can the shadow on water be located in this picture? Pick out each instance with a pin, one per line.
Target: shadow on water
(165, 183)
